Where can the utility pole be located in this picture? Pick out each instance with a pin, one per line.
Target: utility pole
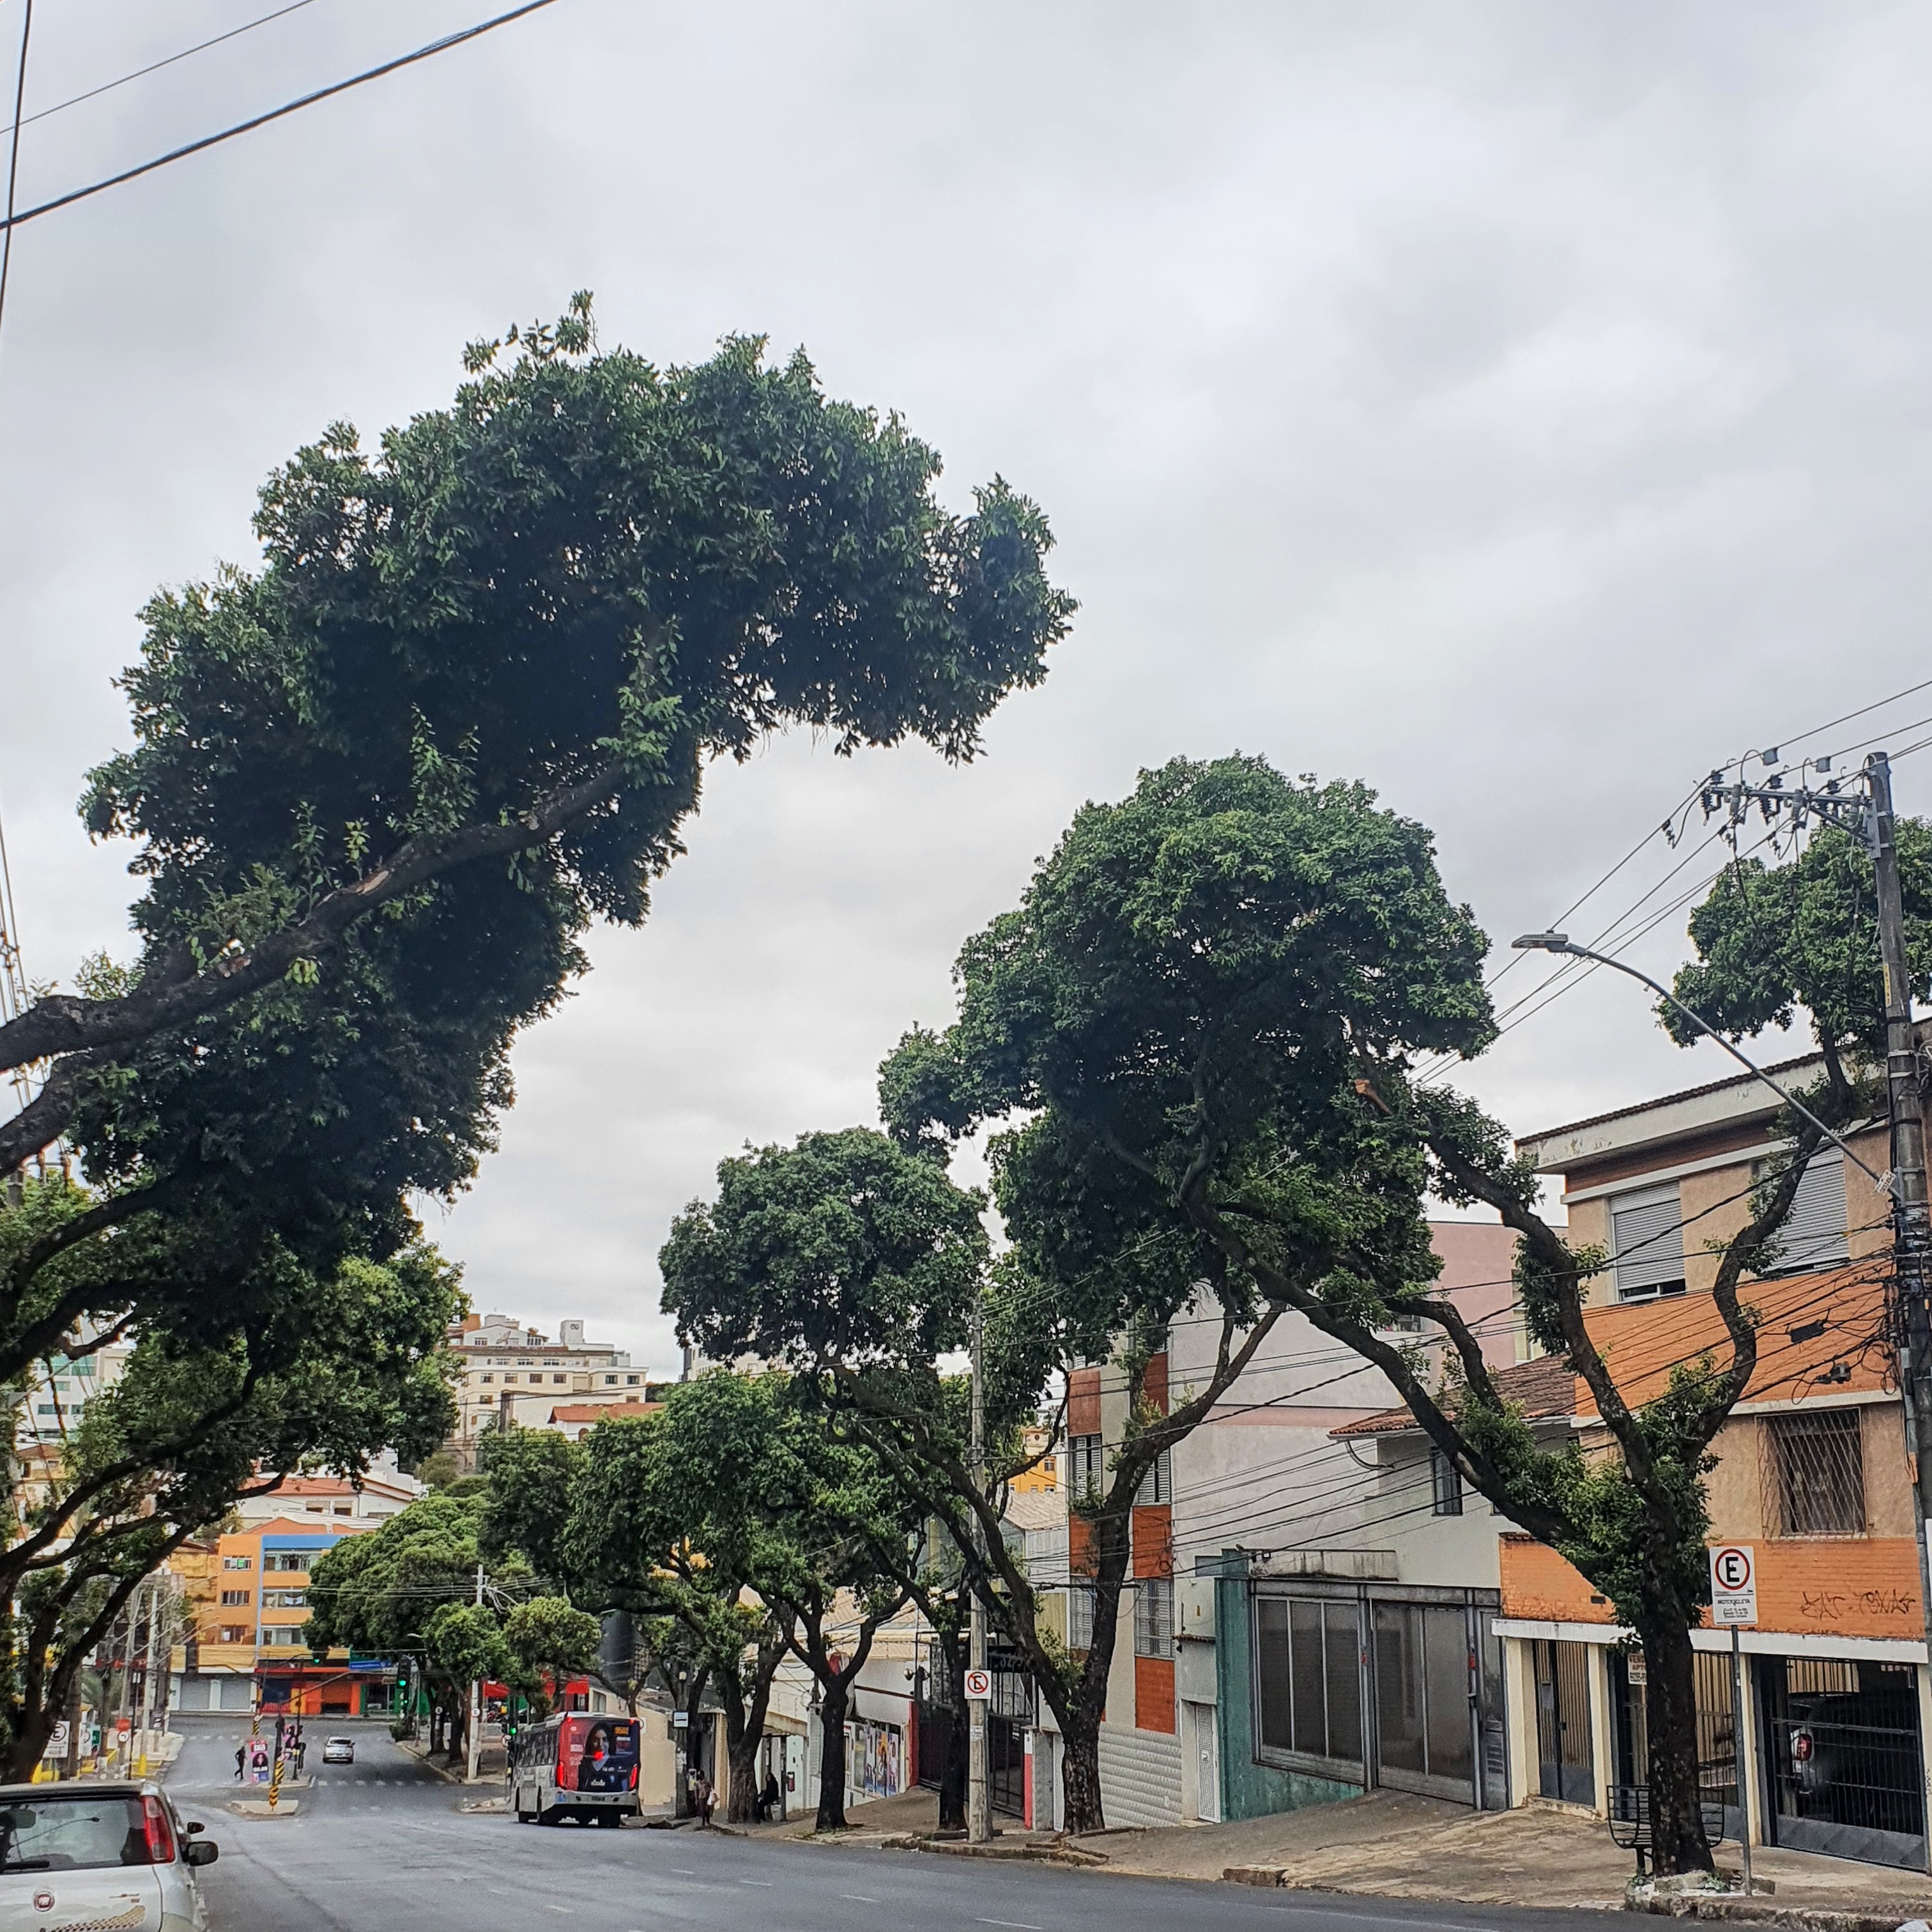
(134, 1615)
(1911, 1234)
(979, 1822)
(476, 1698)
(147, 1676)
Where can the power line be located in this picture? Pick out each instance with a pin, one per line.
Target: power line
(422, 53)
(13, 153)
(153, 67)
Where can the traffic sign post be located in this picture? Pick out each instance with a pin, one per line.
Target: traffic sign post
(1734, 1604)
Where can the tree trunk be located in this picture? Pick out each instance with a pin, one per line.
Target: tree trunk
(742, 1740)
(831, 1754)
(1670, 1709)
(1080, 1774)
(952, 1772)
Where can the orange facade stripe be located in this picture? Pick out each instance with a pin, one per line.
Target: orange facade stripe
(1153, 1694)
(1826, 1586)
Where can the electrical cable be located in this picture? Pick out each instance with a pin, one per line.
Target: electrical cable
(13, 155)
(153, 67)
(442, 46)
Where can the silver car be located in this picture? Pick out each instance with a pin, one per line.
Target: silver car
(116, 1854)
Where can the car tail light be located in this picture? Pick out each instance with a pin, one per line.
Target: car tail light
(1800, 1746)
(160, 1833)
(634, 1777)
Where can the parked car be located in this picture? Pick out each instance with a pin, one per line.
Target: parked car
(339, 1750)
(115, 1854)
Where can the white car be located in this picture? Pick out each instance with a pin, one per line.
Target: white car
(339, 1750)
(114, 1854)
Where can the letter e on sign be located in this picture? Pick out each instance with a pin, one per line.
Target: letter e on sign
(979, 1685)
(1733, 1584)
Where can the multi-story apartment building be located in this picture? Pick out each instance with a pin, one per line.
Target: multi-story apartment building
(252, 1640)
(1265, 1477)
(510, 1375)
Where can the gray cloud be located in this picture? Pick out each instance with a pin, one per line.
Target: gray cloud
(1520, 409)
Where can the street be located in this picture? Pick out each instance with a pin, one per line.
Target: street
(382, 1845)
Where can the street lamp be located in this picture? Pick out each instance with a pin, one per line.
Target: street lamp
(1562, 942)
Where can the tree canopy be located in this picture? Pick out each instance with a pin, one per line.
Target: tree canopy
(380, 783)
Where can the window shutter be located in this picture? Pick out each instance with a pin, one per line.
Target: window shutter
(1813, 1234)
(1647, 1240)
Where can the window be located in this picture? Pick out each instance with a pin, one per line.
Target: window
(1647, 1242)
(233, 1597)
(1157, 1485)
(1813, 1234)
(286, 1559)
(1446, 1481)
(1820, 1473)
(1153, 1617)
(237, 1562)
(1080, 1616)
(283, 1636)
(631, 1380)
(489, 1379)
(1086, 1464)
(236, 1634)
(1046, 1465)
(345, 1509)
(611, 1381)
(550, 1361)
(285, 1600)
(509, 1379)
(1308, 1679)
(557, 1379)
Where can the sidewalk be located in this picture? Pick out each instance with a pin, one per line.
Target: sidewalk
(1390, 1845)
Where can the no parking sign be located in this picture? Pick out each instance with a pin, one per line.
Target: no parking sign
(1733, 1584)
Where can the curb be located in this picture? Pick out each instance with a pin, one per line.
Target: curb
(1791, 1917)
(1035, 1854)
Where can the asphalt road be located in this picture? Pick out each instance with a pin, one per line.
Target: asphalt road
(382, 1846)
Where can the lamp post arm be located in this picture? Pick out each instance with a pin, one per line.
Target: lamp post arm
(1551, 943)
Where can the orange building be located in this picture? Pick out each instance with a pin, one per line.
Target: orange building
(1812, 1480)
(250, 1646)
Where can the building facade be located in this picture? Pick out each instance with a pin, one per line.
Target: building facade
(509, 1375)
(250, 1649)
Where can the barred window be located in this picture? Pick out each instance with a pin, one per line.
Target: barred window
(1446, 1481)
(233, 1597)
(1087, 1462)
(1818, 1464)
(1153, 1617)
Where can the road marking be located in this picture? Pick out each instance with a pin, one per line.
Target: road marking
(1017, 1924)
(858, 1898)
(682, 1871)
(766, 1882)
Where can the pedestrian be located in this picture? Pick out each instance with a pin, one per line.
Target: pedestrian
(241, 1759)
(768, 1799)
(701, 1796)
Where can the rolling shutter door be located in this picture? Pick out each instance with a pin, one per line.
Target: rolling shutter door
(1647, 1241)
(1813, 1235)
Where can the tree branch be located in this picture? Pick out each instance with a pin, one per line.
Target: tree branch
(64, 1024)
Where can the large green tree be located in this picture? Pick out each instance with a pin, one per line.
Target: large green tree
(346, 1366)
(1209, 1008)
(382, 783)
(409, 1589)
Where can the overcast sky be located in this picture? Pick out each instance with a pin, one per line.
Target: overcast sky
(1519, 408)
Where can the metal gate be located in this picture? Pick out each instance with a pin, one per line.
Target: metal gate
(1566, 1766)
(1842, 1740)
(1437, 1702)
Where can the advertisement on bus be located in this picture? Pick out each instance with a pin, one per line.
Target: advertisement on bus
(597, 1754)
